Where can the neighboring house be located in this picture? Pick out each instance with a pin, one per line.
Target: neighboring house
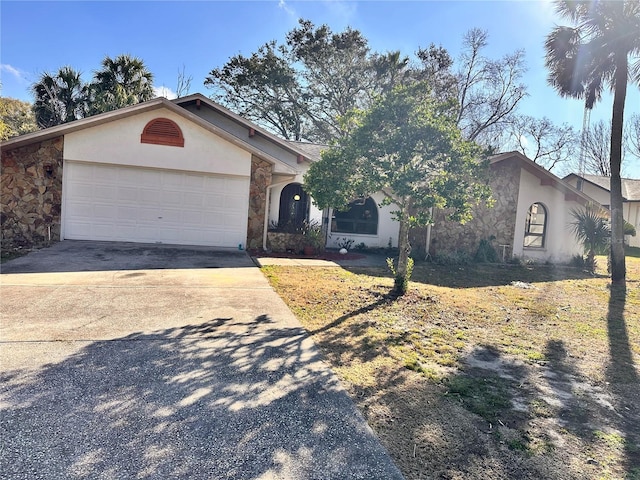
(191, 172)
(598, 188)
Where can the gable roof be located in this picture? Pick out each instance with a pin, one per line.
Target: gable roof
(630, 186)
(199, 99)
(314, 150)
(546, 177)
(154, 104)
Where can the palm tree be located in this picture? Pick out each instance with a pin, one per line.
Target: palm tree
(122, 81)
(585, 58)
(591, 228)
(59, 98)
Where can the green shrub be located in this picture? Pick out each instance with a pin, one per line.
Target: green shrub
(455, 258)
(486, 253)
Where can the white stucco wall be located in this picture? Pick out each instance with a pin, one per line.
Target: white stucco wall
(387, 229)
(560, 243)
(119, 143)
(598, 194)
(631, 213)
(630, 210)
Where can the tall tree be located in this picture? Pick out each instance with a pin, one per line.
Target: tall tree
(542, 141)
(488, 90)
(596, 148)
(59, 98)
(583, 59)
(307, 87)
(337, 74)
(633, 145)
(122, 81)
(264, 88)
(408, 147)
(16, 118)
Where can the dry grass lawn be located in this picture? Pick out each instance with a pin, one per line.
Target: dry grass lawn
(484, 371)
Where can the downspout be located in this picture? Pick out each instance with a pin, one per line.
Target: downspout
(267, 204)
(428, 239)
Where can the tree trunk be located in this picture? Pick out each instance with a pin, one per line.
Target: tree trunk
(404, 248)
(618, 267)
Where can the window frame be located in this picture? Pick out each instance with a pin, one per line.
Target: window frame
(530, 233)
(355, 216)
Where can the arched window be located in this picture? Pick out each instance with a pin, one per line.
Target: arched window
(294, 207)
(535, 226)
(162, 131)
(361, 218)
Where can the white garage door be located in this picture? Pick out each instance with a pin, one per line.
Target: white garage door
(104, 202)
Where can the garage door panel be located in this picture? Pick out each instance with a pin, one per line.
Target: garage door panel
(193, 199)
(144, 205)
(105, 212)
(149, 197)
(127, 194)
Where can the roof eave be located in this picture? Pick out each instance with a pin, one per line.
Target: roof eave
(246, 123)
(542, 173)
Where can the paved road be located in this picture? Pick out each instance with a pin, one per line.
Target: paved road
(123, 361)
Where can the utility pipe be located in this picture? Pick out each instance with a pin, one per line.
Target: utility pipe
(267, 209)
(428, 239)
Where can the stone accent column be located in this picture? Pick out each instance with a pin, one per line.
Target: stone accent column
(31, 194)
(498, 221)
(261, 176)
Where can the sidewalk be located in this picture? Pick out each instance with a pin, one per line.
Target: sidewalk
(329, 260)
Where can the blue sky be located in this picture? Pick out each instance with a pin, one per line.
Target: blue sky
(202, 35)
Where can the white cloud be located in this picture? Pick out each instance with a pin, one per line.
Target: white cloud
(16, 72)
(345, 10)
(290, 11)
(164, 92)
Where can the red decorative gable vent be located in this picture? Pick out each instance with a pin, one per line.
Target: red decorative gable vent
(162, 131)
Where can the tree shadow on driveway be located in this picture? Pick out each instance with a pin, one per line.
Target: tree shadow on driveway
(221, 399)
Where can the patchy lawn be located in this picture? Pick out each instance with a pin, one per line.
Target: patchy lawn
(484, 371)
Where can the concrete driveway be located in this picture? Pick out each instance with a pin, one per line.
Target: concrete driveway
(123, 361)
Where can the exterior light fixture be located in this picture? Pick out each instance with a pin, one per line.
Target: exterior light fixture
(296, 197)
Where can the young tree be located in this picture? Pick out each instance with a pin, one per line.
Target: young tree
(408, 147)
(121, 82)
(59, 98)
(16, 118)
(591, 227)
(582, 59)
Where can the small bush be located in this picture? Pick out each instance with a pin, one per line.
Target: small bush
(400, 283)
(486, 253)
(345, 242)
(577, 261)
(361, 247)
(455, 258)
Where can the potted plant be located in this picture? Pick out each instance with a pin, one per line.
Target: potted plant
(313, 236)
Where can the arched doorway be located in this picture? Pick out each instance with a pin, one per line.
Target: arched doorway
(294, 207)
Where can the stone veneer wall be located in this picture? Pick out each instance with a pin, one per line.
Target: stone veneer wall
(260, 180)
(30, 197)
(281, 242)
(498, 221)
